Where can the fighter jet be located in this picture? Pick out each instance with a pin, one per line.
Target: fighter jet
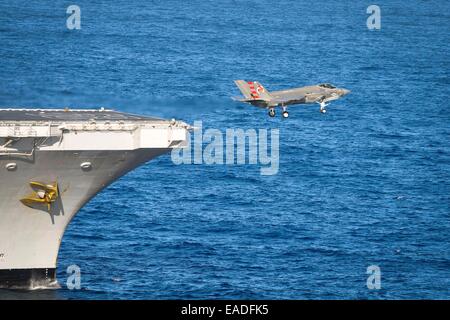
(255, 94)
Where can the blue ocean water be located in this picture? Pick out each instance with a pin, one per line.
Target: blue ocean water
(368, 183)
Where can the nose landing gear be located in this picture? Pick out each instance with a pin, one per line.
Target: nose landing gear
(322, 107)
(272, 112)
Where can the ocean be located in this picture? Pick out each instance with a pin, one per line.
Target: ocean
(366, 184)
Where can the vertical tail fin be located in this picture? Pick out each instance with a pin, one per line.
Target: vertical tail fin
(253, 90)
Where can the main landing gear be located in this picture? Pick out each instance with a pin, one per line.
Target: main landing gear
(285, 114)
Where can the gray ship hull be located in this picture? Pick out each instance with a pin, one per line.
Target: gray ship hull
(34, 264)
(30, 236)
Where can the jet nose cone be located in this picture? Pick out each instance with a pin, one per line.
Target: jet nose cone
(345, 91)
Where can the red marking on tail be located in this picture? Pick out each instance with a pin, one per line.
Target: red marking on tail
(253, 92)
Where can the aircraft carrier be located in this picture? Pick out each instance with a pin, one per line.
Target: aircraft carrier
(52, 162)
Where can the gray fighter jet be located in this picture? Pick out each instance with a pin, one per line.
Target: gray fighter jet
(255, 94)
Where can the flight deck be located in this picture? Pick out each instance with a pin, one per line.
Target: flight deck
(70, 115)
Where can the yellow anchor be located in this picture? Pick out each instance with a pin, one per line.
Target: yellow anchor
(42, 194)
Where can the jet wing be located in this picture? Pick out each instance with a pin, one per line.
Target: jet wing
(272, 103)
(292, 96)
(261, 103)
(240, 99)
(289, 100)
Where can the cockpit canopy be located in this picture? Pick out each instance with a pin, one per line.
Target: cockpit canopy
(327, 85)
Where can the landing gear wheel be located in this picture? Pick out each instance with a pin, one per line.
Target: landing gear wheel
(323, 105)
(285, 114)
(272, 113)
